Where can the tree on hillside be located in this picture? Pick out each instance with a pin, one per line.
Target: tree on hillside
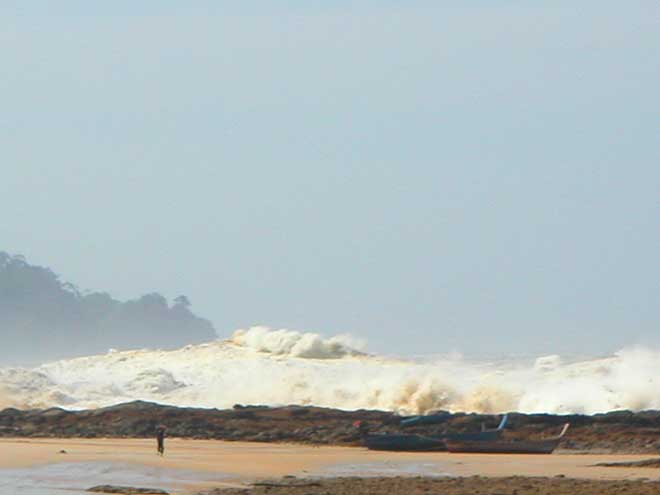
(40, 315)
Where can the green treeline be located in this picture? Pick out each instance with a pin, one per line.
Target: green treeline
(42, 317)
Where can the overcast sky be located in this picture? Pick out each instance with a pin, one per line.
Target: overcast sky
(481, 176)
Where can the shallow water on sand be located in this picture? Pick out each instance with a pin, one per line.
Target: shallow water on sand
(75, 478)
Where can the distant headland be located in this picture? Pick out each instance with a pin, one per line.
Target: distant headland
(43, 317)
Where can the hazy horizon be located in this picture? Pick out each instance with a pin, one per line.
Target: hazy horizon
(471, 176)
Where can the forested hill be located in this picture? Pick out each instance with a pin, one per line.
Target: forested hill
(42, 317)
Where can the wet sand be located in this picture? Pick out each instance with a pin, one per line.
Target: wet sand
(238, 462)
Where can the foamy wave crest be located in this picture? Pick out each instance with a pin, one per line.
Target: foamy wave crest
(298, 344)
(274, 367)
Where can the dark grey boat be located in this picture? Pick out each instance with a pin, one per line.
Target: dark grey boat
(422, 443)
(499, 446)
(404, 443)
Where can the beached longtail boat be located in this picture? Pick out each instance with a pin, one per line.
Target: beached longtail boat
(500, 446)
(422, 443)
(405, 443)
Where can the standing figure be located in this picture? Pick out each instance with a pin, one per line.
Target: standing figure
(160, 436)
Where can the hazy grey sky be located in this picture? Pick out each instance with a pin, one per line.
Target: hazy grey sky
(429, 175)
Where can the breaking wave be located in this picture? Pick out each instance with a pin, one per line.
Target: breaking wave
(297, 344)
(274, 367)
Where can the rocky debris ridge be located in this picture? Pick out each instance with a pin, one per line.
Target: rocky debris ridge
(615, 432)
(447, 486)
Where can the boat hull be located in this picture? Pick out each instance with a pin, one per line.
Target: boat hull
(420, 443)
(404, 443)
(498, 446)
(502, 447)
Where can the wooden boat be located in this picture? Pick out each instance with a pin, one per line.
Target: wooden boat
(408, 443)
(499, 446)
(422, 443)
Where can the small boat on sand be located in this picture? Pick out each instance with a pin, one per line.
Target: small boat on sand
(404, 443)
(501, 446)
(422, 443)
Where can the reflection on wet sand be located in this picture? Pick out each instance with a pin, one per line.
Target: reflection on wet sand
(74, 478)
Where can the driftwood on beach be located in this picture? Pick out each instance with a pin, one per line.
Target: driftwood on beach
(645, 463)
(126, 490)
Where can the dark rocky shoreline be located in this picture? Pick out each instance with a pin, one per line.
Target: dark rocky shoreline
(474, 485)
(615, 432)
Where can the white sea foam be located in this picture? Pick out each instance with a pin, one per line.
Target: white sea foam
(262, 366)
(297, 344)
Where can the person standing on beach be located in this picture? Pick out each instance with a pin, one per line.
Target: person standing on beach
(160, 437)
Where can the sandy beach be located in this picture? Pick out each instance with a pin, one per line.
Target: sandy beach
(242, 462)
